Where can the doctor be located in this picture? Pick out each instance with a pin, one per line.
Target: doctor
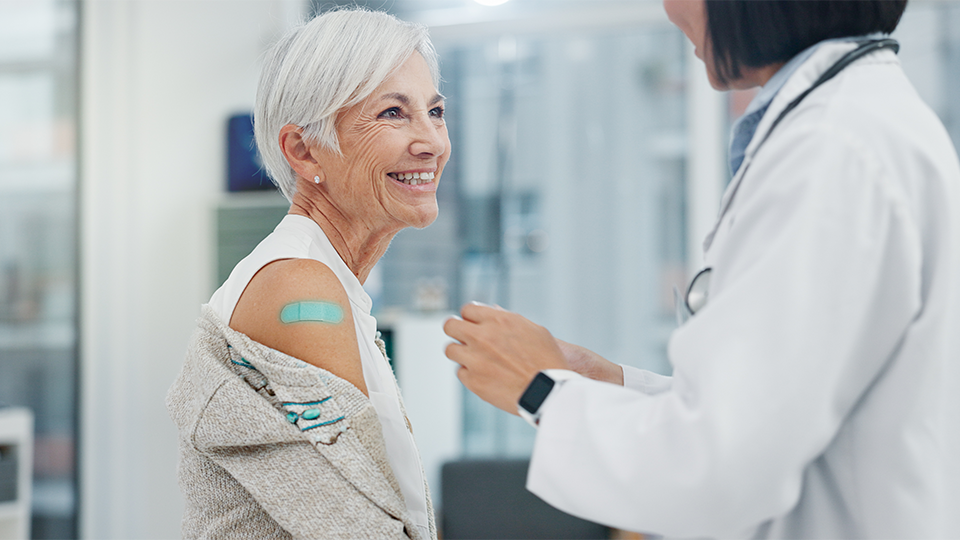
(816, 385)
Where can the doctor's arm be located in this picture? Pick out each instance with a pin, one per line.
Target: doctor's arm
(500, 352)
(590, 364)
(814, 286)
(593, 366)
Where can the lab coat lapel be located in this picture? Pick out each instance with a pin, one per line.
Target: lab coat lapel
(802, 79)
(727, 199)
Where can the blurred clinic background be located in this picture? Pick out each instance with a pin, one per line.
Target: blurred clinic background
(589, 159)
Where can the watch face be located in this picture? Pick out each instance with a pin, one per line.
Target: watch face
(538, 390)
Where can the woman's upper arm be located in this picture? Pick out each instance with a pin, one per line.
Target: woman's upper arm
(300, 308)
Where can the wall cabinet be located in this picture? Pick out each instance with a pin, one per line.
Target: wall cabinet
(16, 456)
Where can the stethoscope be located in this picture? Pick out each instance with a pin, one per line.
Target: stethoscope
(699, 289)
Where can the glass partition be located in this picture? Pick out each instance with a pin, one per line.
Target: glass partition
(570, 168)
(929, 36)
(566, 196)
(38, 228)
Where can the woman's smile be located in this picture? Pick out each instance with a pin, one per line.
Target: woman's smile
(414, 178)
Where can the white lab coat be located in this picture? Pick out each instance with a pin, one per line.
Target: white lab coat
(816, 394)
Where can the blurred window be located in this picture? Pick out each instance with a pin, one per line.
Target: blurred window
(566, 195)
(570, 167)
(38, 224)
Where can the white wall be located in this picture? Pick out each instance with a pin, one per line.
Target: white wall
(158, 80)
(432, 393)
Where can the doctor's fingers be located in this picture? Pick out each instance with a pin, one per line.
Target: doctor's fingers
(493, 383)
(477, 312)
(477, 356)
(459, 353)
(459, 329)
(488, 339)
(484, 332)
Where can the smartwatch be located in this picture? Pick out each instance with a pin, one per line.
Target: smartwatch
(537, 391)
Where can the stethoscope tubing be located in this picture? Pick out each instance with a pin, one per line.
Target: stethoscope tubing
(865, 48)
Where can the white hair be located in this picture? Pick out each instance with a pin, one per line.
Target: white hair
(326, 65)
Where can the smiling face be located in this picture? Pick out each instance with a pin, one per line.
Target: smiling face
(394, 146)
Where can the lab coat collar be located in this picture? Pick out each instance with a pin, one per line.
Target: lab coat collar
(802, 78)
(745, 127)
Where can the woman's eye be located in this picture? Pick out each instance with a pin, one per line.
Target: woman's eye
(391, 113)
(436, 112)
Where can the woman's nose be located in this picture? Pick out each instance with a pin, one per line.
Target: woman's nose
(429, 139)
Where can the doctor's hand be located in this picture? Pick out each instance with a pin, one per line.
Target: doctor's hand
(499, 353)
(590, 364)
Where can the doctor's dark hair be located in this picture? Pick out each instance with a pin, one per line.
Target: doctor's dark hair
(757, 33)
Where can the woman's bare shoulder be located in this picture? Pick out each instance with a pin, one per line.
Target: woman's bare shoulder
(299, 307)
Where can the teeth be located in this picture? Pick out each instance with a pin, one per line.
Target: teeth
(414, 179)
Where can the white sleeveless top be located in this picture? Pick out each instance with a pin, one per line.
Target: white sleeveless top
(299, 237)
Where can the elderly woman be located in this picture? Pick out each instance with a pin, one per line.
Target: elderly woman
(291, 423)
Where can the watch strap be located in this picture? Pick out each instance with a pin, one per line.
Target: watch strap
(543, 384)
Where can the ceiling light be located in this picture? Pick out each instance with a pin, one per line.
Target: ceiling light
(491, 2)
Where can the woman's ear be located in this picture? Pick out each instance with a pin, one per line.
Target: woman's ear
(299, 152)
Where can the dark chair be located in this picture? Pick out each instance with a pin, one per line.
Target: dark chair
(486, 500)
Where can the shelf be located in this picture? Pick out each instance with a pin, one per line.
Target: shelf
(14, 521)
(38, 177)
(30, 32)
(254, 199)
(53, 498)
(45, 335)
(16, 430)
(11, 509)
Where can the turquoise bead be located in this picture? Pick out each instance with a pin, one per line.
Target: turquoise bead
(311, 414)
(292, 417)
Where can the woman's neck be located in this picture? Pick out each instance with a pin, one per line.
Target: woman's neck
(359, 244)
(754, 77)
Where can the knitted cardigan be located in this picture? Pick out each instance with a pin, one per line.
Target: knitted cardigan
(273, 447)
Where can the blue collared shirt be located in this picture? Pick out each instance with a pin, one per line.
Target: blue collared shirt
(746, 125)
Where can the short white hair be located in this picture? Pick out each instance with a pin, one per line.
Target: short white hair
(326, 65)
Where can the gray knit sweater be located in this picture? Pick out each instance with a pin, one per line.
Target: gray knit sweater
(272, 447)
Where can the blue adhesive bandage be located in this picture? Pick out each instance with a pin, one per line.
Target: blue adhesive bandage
(326, 312)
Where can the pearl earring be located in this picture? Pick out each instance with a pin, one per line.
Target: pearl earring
(316, 179)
